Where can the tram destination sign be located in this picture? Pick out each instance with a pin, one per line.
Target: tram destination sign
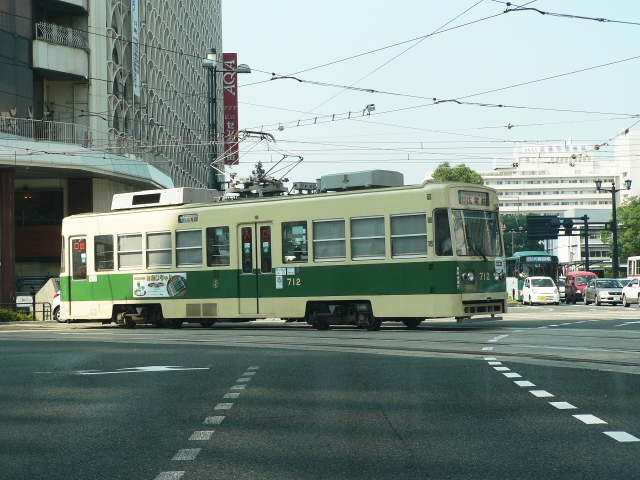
(468, 197)
(189, 218)
(538, 259)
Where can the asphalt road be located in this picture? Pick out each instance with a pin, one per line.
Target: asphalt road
(548, 392)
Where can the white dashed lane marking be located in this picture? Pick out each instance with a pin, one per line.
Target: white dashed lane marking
(524, 383)
(622, 436)
(487, 348)
(540, 393)
(215, 420)
(562, 405)
(501, 369)
(589, 419)
(186, 454)
(170, 476)
(201, 435)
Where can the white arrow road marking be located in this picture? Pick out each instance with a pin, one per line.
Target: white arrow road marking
(151, 368)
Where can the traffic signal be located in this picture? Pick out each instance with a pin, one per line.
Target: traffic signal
(567, 223)
(542, 227)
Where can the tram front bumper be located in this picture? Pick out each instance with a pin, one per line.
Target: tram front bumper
(484, 303)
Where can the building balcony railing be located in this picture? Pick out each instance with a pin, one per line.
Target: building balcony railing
(59, 35)
(44, 130)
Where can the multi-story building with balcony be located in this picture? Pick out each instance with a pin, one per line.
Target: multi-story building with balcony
(96, 97)
(559, 179)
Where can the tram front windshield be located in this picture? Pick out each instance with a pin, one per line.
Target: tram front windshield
(476, 233)
(538, 270)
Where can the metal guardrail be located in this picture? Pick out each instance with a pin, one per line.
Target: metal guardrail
(32, 309)
(59, 35)
(45, 130)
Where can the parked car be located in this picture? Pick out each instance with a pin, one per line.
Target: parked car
(603, 290)
(630, 293)
(575, 284)
(55, 308)
(560, 285)
(540, 290)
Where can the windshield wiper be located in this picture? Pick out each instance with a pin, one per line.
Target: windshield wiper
(475, 247)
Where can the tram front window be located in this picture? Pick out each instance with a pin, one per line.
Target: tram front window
(476, 233)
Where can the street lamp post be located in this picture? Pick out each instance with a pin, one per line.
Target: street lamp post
(614, 226)
(210, 63)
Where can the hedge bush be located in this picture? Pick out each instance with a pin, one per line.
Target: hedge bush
(11, 316)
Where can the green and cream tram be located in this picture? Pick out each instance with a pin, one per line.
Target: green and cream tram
(358, 257)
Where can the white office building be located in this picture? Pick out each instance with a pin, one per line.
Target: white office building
(559, 179)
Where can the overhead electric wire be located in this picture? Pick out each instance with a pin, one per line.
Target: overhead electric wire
(565, 15)
(396, 56)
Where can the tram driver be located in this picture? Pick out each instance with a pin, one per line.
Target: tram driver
(443, 234)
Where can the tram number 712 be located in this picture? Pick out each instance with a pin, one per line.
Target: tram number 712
(293, 282)
(484, 276)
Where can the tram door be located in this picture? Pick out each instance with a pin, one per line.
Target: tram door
(256, 283)
(78, 276)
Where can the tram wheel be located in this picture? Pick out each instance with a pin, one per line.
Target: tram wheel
(207, 323)
(321, 325)
(374, 324)
(159, 324)
(411, 322)
(175, 323)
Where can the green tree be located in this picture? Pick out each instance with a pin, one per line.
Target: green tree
(459, 173)
(628, 230)
(518, 225)
(259, 172)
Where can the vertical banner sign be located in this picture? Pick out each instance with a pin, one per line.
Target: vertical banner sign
(230, 99)
(135, 47)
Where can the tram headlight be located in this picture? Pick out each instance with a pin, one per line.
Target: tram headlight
(468, 277)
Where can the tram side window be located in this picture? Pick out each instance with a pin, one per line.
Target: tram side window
(103, 252)
(329, 242)
(63, 260)
(294, 242)
(442, 233)
(409, 235)
(79, 258)
(189, 248)
(129, 251)
(367, 238)
(159, 249)
(218, 246)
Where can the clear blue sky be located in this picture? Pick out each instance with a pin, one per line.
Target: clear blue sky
(412, 135)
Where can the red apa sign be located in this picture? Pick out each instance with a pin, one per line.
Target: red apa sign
(230, 101)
